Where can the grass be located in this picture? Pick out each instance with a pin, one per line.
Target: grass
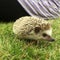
(12, 48)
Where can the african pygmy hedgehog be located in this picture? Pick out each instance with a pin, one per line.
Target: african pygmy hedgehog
(29, 27)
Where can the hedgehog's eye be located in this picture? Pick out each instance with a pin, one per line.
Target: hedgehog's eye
(37, 29)
(44, 34)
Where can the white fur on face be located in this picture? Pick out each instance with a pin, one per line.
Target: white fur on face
(48, 32)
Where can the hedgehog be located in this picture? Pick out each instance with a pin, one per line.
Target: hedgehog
(34, 28)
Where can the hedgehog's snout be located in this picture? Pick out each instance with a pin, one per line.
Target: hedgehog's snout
(52, 40)
(48, 37)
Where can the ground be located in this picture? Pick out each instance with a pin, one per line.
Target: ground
(13, 48)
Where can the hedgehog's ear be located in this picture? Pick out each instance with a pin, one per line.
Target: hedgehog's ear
(37, 29)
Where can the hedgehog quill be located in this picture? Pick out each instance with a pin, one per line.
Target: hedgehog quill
(34, 28)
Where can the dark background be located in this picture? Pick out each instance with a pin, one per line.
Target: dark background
(10, 10)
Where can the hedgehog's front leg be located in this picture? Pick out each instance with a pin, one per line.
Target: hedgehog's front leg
(38, 42)
(37, 30)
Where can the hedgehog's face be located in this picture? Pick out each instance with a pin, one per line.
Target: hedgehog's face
(45, 34)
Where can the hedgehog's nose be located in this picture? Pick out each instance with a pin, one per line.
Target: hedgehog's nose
(52, 40)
